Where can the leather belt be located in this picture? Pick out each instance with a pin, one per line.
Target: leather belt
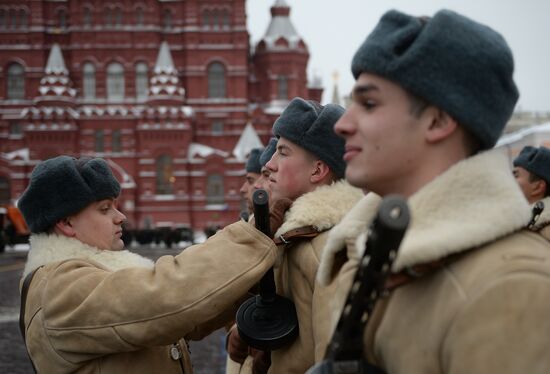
(305, 232)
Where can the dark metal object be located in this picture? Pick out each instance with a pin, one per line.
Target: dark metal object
(345, 351)
(267, 321)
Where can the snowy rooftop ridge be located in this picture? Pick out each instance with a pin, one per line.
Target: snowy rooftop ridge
(510, 139)
(201, 150)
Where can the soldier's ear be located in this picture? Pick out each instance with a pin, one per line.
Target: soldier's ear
(539, 188)
(64, 227)
(319, 172)
(441, 125)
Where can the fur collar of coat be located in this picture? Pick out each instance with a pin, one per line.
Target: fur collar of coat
(445, 219)
(321, 208)
(50, 248)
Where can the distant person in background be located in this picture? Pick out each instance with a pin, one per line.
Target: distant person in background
(532, 172)
(252, 169)
(263, 180)
(90, 307)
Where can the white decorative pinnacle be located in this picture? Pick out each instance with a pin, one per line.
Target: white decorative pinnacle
(165, 81)
(56, 81)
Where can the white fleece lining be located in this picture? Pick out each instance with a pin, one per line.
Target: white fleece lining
(49, 248)
(445, 219)
(321, 208)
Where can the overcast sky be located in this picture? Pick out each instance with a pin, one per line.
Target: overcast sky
(334, 29)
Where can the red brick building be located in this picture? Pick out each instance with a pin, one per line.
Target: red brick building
(170, 92)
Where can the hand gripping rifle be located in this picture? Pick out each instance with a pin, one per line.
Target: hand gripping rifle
(344, 353)
(267, 321)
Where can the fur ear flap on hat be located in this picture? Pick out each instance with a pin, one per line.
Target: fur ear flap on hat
(310, 125)
(253, 162)
(268, 151)
(62, 186)
(536, 161)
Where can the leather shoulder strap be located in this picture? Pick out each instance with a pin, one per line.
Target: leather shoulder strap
(24, 291)
(288, 237)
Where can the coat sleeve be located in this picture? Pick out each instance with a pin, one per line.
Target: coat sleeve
(504, 329)
(101, 312)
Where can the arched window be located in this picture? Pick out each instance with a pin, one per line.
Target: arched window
(116, 145)
(206, 18)
(23, 21)
(141, 80)
(108, 15)
(214, 189)
(118, 17)
(282, 87)
(12, 21)
(88, 83)
(216, 80)
(62, 18)
(4, 191)
(87, 17)
(139, 16)
(16, 82)
(225, 19)
(167, 19)
(165, 177)
(215, 20)
(99, 144)
(115, 81)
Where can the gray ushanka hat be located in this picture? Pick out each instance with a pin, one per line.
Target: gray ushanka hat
(461, 66)
(63, 186)
(310, 125)
(536, 161)
(253, 162)
(268, 151)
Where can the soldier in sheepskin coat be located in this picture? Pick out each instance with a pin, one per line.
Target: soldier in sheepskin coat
(307, 167)
(470, 285)
(94, 308)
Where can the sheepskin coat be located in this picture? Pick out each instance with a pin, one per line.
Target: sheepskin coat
(296, 270)
(486, 311)
(94, 311)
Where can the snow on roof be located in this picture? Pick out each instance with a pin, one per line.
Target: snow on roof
(248, 141)
(517, 136)
(201, 150)
(22, 153)
(281, 27)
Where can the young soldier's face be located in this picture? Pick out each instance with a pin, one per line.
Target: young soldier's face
(99, 225)
(290, 170)
(247, 188)
(382, 136)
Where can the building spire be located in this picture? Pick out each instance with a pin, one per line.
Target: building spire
(165, 81)
(56, 84)
(280, 28)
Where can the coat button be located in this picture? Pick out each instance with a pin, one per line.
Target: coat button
(175, 352)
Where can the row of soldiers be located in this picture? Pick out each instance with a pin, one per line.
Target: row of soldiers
(431, 98)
